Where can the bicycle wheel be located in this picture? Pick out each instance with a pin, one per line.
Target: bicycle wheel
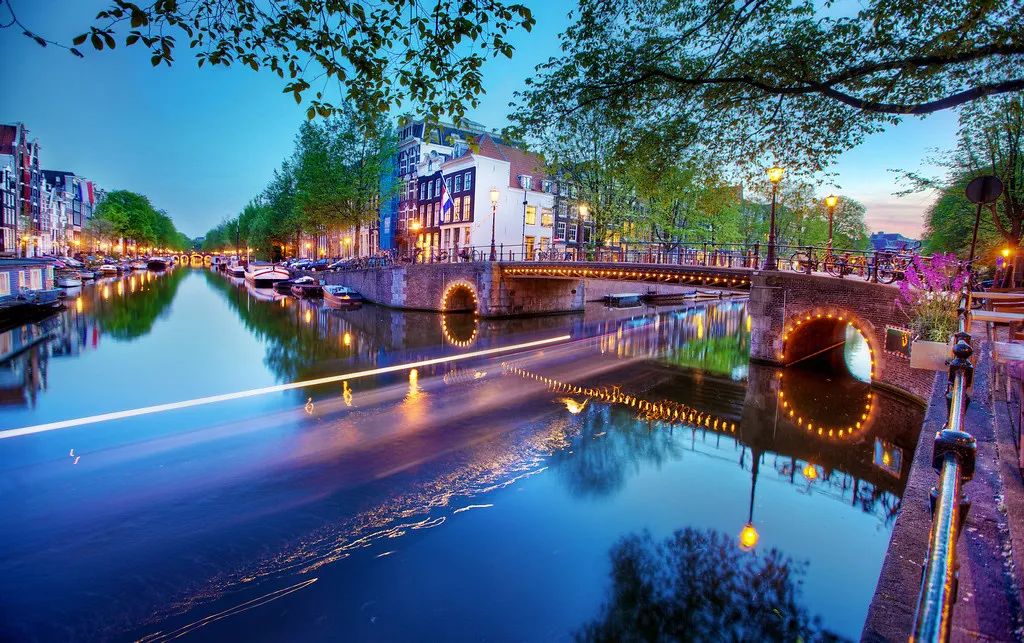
(886, 271)
(835, 266)
(798, 262)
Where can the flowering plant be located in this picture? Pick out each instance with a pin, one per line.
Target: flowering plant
(930, 296)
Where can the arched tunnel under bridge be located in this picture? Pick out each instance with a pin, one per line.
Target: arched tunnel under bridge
(830, 342)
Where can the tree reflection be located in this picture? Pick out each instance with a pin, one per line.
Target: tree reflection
(612, 446)
(131, 312)
(698, 586)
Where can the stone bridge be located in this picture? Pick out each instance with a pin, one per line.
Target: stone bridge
(793, 316)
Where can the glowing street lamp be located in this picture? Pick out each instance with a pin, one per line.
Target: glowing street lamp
(830, 202)
(774, 175)
(584, 210)
(494, 216)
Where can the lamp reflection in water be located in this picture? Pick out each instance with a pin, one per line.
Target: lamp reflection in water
(749, 535)
(573, 406)
(346, 339)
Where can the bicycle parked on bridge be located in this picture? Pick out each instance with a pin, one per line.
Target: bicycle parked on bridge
(892, 265)
(837, 265)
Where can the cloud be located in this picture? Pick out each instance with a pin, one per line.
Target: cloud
(904, 215)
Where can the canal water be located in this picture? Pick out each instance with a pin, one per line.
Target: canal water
(588, 477)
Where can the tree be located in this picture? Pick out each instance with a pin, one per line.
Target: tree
(340, 165)
(792, 81)
(849, 231)
(378, 55)
(949, 224)
(990, 141)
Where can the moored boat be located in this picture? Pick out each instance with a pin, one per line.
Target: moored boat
(306, 289)
(286, 285)
(86, 274)
(156, 263)
(138, 265)
(67, 279)
(265, 274)
(342, 296)
(110, 269)
(236, 270)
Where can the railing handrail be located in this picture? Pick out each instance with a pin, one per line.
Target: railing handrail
(953, 456)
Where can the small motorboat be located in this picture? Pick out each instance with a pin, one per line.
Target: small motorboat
(236, 270)
(67, 279)
(86, 274)
(342, 296)
(156, 263)
(286, 285)
(138, 265)
(263, 274)
(110, 269)
(306, 288)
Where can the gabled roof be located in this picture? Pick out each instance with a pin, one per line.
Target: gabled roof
(520, 161)
(8, 139)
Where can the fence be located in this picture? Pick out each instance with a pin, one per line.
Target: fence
(875, 266)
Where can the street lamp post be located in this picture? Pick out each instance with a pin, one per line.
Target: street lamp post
(830, 202)
(770, 262)
(494, 216)
(583, 210)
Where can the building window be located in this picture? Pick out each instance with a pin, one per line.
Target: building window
(465, 235)
(5, 282)
(572, 232)
(525, 181)
(545, 186)
(546, 218)
(469, 181)
(423, 191)
(531, 215)
(458, 183)
(437, 187)
(586, 235)
(457, 210)
(529, 247)
(560, 230)
(430, 190)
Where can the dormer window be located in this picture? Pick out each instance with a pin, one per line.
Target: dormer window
(525, 181)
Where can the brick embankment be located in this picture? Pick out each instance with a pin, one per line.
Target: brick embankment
(990, 599)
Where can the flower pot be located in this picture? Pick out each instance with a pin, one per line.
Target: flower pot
(930, 356)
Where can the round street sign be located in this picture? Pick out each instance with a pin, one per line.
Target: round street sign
(984, 189)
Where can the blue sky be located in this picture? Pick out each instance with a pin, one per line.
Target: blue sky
(202, 142)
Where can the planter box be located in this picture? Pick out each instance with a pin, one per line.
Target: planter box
(930, 356)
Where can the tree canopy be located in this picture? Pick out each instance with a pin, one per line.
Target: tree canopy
(375, 55)
(129, 215)
(761, 81)
(335, 179)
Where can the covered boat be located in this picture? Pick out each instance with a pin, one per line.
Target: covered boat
(236, 270)
(306, 289)
(342, 296)
(110, 269)
(156, 263)
(262, 274)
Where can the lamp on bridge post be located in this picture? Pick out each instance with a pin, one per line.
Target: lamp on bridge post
(774, 175)
(830, 202)
(494, 216)
(579, 240)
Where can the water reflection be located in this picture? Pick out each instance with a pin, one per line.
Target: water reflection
(452, 499)
(697, 586)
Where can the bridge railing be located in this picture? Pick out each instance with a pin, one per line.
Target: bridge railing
(953, 457)
(875, 266)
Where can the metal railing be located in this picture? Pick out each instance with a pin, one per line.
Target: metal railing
(953, 457)
(876, 266)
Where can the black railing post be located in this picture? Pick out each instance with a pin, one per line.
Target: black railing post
(810, 260)
(874, 268)
(757, 254)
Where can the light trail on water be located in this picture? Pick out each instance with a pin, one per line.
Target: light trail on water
(225, 397)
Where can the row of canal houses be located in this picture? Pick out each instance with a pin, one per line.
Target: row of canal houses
(44, 212)
(532, 214)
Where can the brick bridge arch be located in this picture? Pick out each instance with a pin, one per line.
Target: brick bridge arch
(796, 316)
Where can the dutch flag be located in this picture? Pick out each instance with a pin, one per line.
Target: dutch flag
(447, 205)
